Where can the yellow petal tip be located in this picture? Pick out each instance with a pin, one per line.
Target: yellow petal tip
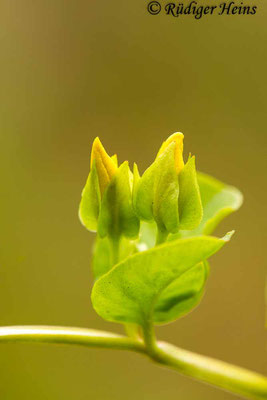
(178, 139)
(105, 166)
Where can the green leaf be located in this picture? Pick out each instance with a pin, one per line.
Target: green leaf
(182, 295)
(90, 202)
(129, 291)
(116, 214)
(190, 206)
(218, 199)
(157, 192)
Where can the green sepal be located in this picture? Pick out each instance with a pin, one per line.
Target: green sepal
(157, 192)
(90, 202)
(117, 215)
(130, 290)
(136, 179)
(218, 199)
(190, 205)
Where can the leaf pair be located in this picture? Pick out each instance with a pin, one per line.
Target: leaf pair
(143, 287)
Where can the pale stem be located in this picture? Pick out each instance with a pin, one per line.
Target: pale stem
(66, 335)
(115, 249)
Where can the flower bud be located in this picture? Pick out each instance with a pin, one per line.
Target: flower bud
(105, 166)
(168, 191)
(106, 204)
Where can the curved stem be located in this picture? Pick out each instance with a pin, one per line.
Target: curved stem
(115, 249)
(65, 335)
(225, 376)
(248, 384)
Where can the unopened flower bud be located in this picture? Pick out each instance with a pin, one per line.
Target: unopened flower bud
(105, 166)
(106, 205)
(168, 191)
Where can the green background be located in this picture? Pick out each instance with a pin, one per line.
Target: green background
(71, 70)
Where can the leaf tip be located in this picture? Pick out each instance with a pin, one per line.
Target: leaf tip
(228, 236)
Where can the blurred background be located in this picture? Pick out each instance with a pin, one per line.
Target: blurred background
(70, 71)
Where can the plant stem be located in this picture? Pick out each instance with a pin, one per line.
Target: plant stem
(161, 236)
(150, 339)
(115, 249)
(220, 374)
(228, 377)
(248, 384)
(65, 335)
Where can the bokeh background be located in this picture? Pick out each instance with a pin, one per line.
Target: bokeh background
(71, 70)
